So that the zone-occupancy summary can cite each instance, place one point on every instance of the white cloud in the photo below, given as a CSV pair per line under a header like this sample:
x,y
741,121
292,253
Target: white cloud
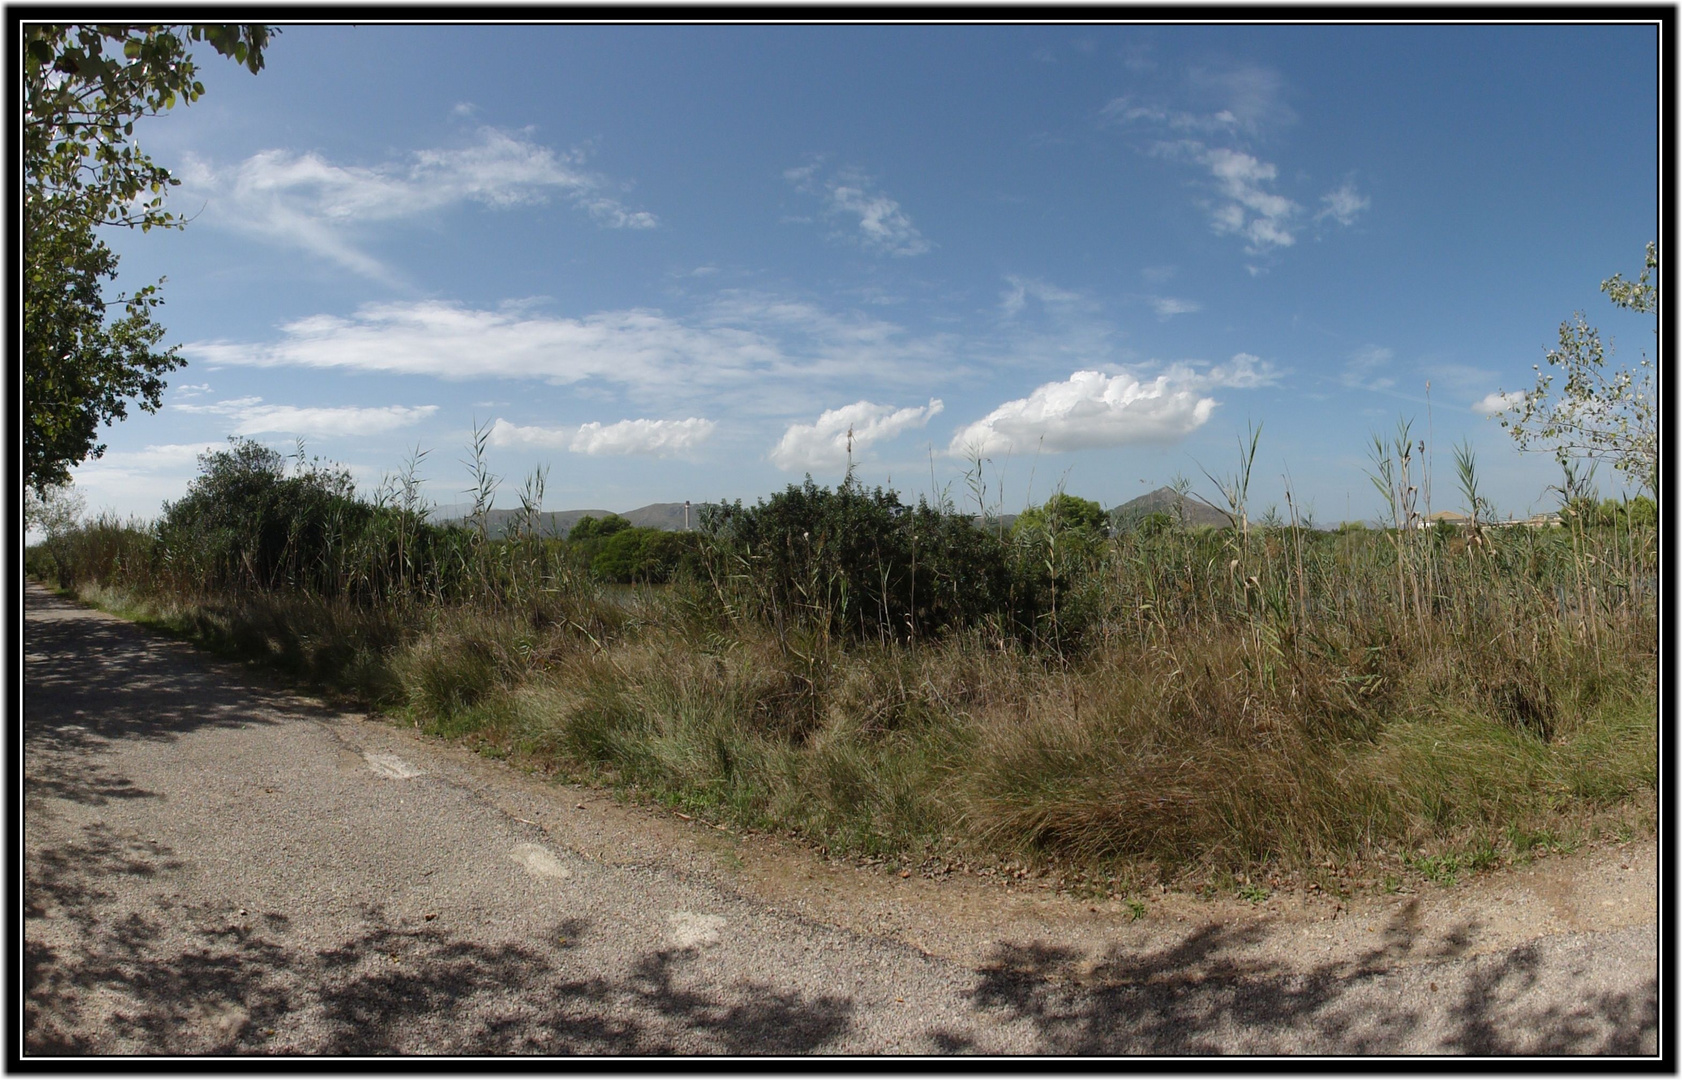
x,y
137,482
1343,204
1090,409
252,417
306,201
507,433
168,456
748,345
330,422
1360,372
1232,102
657,437
1498,402
1260,216
661,438
1167,306
882,226
1127,111
1243,372
1086,411
823,445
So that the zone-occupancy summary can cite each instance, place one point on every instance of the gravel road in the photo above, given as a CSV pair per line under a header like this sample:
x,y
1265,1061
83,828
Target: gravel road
x,y
213,866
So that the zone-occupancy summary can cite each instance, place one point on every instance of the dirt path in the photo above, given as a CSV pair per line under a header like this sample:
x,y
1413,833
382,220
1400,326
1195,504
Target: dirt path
x,y
213,866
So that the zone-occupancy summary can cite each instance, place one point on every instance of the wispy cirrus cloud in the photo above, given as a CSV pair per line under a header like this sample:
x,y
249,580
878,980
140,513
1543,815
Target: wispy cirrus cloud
x,y
825,444
759,351
1343,204
1092,409
1210,120
1052,297
1365,367
1167,306
250,416
882,227
304,200
655,438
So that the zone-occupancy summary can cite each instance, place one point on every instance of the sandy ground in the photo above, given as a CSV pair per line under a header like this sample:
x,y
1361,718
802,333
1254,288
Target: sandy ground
x,y
215,866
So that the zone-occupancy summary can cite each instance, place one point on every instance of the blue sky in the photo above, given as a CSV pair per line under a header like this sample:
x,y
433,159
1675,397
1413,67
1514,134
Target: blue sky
x,y
681,262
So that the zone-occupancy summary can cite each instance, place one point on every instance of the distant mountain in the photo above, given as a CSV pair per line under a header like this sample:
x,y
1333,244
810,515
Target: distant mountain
x,y
1165,500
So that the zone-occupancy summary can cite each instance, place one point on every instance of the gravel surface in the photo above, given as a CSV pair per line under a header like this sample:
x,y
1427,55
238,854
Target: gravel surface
x,y
214,866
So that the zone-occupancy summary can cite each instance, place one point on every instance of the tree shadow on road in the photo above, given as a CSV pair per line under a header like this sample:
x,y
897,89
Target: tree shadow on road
x,y
184,979
91,681
1204,995
174,978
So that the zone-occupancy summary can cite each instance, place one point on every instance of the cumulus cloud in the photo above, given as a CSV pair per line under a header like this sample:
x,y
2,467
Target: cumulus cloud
x,y
1498,402
1086,411
658,438
307,201
882,226
823,445
1091,410
251,417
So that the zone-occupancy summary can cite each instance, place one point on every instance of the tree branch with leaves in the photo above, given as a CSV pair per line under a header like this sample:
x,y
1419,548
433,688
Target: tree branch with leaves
x,y
1596,411
84,88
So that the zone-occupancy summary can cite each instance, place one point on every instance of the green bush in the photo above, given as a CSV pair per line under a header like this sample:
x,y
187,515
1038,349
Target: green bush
x,y
862,564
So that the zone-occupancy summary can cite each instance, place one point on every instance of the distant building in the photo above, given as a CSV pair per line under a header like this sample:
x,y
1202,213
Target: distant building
x,y
1448,517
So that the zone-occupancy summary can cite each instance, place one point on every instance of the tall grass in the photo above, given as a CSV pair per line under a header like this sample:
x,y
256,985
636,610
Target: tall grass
x,y
891,679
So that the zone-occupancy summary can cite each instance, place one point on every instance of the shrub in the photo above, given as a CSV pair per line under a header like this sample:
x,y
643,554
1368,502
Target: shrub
x,y
860,563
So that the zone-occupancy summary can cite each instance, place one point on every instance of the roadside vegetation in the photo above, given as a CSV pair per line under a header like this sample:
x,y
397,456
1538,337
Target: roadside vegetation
x,y
1125,702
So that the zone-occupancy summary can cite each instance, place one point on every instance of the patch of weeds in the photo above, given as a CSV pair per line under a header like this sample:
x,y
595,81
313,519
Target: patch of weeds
x,y
1526,844
1252,892
1392,884
1135,908
1482,857
1442,869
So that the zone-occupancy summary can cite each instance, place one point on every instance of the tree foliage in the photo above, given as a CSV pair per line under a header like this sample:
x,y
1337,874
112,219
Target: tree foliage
x,y
84,88
1063,512
1596,411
